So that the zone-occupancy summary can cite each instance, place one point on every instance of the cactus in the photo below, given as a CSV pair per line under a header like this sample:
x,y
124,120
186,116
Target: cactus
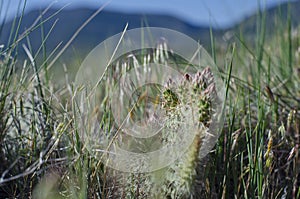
x,y
198,92
194,91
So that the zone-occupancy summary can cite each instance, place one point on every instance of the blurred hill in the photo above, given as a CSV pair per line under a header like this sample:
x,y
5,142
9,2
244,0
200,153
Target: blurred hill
x,y
276,17
104,25
108,23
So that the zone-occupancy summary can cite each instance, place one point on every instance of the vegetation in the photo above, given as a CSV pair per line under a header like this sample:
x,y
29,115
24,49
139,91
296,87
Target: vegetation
x,y
257,154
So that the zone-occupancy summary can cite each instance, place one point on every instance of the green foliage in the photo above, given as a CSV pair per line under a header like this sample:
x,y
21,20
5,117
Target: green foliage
x,y
256,156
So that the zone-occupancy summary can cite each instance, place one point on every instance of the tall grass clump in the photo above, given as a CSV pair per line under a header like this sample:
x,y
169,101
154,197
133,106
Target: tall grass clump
x,y
257,156
30,128
43,155
173,99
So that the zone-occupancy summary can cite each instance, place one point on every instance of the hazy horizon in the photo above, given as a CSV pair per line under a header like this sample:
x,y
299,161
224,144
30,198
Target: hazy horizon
x,y
198,13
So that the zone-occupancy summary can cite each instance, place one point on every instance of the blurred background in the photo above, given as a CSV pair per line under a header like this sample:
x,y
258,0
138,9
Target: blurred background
x,y
61,27
195,18
216,13
55,24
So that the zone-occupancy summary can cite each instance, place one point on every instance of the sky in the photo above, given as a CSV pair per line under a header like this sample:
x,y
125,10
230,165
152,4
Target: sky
x,y
217,13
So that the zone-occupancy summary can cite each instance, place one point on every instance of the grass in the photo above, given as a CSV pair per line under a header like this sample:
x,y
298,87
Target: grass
x,y
256,156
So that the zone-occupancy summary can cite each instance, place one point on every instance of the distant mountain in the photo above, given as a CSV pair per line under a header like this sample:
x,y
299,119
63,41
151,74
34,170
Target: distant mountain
x,y
274,16
104,25
108,23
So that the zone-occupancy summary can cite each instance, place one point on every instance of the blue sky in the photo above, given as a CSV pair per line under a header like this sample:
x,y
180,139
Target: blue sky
x,y
218,13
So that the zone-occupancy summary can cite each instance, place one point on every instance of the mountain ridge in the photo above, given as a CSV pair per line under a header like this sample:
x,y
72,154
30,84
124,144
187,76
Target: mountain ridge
x,y
108,23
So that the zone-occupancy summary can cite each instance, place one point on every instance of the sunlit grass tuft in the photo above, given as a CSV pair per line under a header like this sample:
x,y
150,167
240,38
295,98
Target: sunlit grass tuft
x,y
256,156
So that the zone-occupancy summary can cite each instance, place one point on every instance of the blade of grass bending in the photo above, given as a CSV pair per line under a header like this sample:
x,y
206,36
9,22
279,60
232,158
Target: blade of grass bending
x,y
110,60
35,24
39,84
76,33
